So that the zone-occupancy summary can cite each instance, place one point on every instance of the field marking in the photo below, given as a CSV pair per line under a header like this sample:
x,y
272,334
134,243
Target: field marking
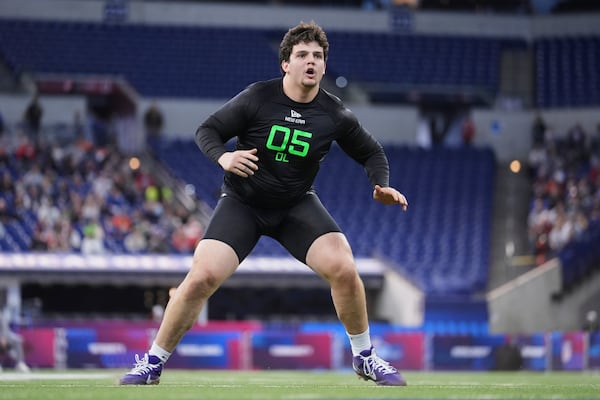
x,y
19,376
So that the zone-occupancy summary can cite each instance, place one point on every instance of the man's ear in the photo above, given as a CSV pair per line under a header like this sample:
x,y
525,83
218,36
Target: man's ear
x,y
285,66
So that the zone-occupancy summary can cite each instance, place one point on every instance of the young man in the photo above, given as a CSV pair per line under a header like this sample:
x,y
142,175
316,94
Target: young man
x,y
284,128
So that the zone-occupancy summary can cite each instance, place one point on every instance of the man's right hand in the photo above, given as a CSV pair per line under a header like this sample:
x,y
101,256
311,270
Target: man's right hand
x,y
239,162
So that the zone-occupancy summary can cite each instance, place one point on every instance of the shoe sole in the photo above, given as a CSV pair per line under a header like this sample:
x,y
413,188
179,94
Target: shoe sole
x,y
155,382
403,383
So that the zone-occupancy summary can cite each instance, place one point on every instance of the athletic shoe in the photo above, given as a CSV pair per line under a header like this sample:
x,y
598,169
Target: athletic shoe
x,y
146,371
370,367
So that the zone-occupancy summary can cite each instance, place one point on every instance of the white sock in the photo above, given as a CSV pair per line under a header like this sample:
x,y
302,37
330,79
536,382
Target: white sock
x,y
159,352
360,342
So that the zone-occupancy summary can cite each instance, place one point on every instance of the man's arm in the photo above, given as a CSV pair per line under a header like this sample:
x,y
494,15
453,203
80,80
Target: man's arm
x,y
227,122
366,150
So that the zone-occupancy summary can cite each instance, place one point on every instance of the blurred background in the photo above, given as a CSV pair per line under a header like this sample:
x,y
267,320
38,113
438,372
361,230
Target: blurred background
x,y
488,111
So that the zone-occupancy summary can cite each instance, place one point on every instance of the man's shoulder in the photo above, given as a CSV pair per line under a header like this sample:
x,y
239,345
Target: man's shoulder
x,y
335,106
331,100
264,87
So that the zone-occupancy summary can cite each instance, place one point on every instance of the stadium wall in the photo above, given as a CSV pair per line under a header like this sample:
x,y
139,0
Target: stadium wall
x,y
535,302
507,132
57,109
525,304
277,16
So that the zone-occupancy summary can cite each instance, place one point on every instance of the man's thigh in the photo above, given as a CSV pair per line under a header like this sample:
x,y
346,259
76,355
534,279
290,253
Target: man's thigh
x,y
305,222
234,224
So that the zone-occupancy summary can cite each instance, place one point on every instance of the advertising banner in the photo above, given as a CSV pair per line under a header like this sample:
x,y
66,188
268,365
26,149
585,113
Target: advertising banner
x,y
291,350
210,350
104,348
533,351
39,346
451,352
568,351
404,350
594,351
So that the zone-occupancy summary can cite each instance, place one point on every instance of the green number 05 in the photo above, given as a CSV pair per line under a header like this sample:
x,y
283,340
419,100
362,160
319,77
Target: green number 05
x,y
297,146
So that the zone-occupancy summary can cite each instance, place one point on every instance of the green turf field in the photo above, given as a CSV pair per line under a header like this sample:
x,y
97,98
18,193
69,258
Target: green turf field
x,y
266,385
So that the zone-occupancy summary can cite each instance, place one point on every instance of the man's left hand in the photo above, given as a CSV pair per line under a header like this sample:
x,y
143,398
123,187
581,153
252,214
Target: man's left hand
x,y
389,195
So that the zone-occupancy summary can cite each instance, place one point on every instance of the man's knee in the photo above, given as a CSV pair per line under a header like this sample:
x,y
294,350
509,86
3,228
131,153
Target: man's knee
x,y
202,284
341,270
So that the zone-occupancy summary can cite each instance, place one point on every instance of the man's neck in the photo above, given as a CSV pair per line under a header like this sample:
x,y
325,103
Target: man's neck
x,y
299,94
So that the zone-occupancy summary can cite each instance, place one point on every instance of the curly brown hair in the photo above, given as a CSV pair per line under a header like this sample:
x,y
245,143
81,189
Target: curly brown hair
x,y
304,32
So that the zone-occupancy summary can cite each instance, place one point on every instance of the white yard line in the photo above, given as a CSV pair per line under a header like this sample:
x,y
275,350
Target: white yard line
x,y
18,376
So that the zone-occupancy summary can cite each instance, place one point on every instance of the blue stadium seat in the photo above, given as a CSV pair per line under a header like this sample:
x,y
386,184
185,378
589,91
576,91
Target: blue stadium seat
x,y
566,71
184,61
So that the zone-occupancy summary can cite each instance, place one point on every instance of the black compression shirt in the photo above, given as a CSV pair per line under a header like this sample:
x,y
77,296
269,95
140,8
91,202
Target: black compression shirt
x,y
292,139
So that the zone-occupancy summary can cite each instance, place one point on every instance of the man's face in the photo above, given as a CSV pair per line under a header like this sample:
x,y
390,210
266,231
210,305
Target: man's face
x,y
306,66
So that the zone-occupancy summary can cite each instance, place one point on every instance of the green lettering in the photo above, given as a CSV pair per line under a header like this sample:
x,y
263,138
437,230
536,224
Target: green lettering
x,y
275,129
299,147
278,140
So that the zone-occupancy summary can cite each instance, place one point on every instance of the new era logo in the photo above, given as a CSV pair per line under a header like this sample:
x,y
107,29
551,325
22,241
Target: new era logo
x,y
295,118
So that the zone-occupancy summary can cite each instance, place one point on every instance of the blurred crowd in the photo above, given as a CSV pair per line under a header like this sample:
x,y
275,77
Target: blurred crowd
x,y
83,197
565,172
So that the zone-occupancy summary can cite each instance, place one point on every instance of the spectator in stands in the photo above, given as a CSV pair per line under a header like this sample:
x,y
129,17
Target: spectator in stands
x,y
135,241
579,222
566,181
119,224
153,125
158,241
186,236
538,220
562,231
79,130
538,130
25,150
7,184
468,131
67,237
93,238
538,158
91,207
33,118
48,212
424,133
267,191
38,241
7,215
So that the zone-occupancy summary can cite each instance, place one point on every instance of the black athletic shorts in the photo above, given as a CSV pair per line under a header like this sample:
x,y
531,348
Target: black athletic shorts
x,y
296,227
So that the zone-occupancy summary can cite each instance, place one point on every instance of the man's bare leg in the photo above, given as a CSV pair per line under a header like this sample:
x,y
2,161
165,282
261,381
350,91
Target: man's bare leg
x,y
330,256
213,263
